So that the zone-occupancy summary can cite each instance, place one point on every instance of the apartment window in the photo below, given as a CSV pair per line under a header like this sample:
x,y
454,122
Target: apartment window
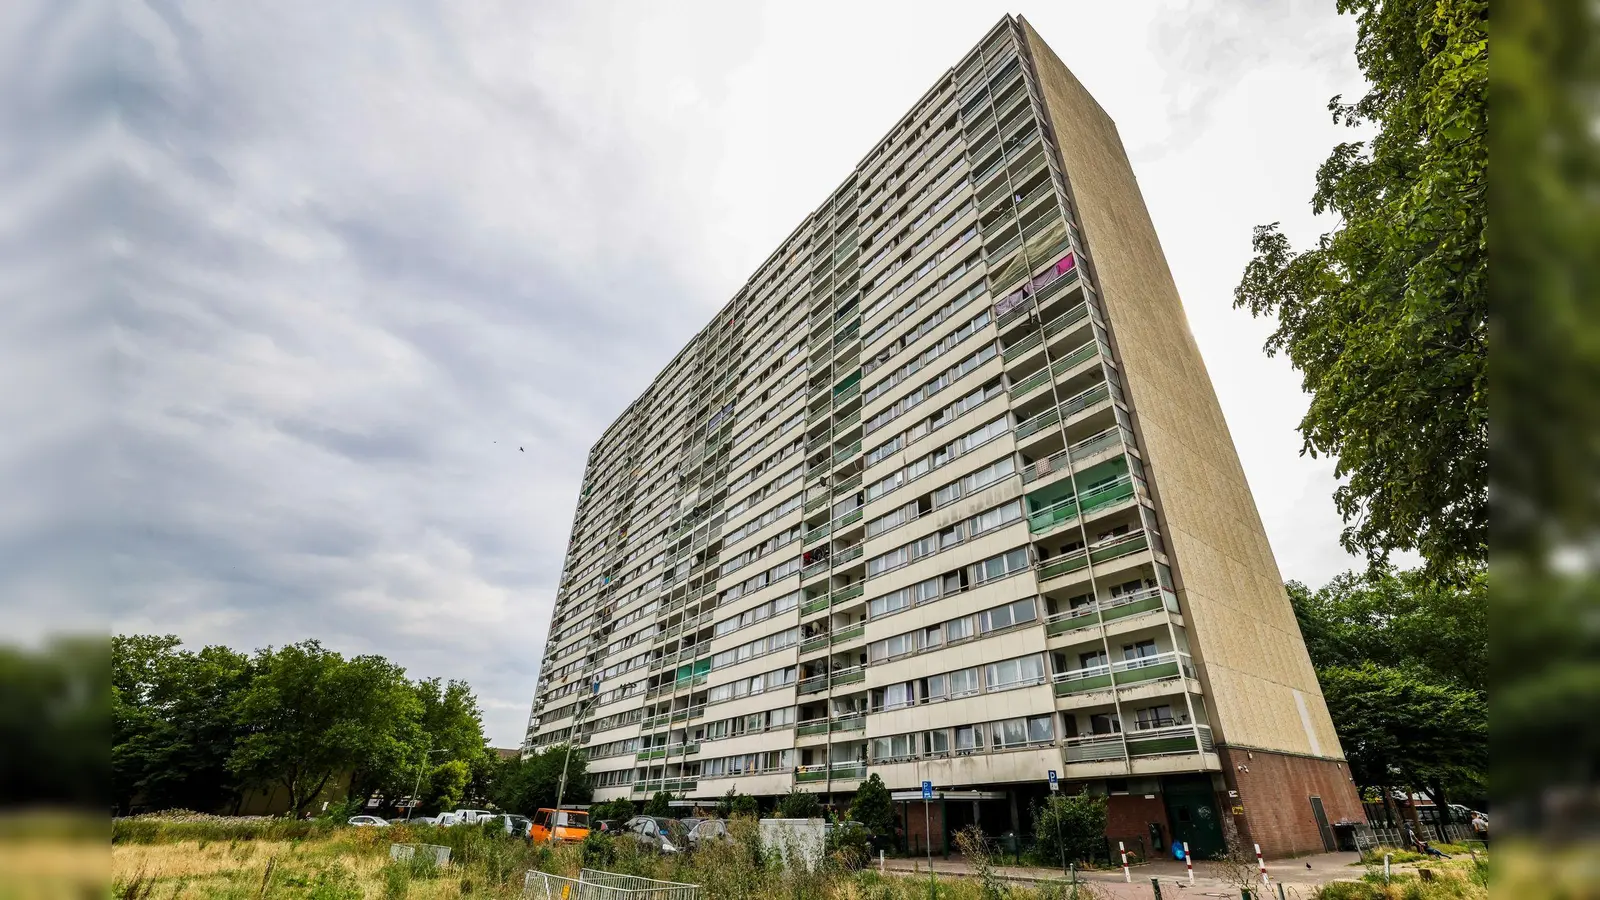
x,y
1014,672
969,739
1016,613
1000,566
900,746
1154,717
1138,652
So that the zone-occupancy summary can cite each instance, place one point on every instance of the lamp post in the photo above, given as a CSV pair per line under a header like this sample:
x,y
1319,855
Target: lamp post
x,y
561,786
421,765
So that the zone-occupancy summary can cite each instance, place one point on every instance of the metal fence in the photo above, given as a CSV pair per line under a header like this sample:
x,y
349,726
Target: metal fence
x,y
593,884
1370,837
441,855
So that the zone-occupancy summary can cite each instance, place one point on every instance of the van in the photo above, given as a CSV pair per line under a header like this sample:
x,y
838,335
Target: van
x,y
472,816
569,825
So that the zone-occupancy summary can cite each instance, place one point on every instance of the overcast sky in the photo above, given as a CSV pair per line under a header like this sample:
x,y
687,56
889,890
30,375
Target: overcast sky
x,y
378,274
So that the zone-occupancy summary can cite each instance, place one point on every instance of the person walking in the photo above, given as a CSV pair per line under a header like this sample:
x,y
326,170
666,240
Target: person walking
x,y
1480,827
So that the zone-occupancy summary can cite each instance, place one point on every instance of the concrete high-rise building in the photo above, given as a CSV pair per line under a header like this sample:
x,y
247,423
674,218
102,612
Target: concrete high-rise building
x,y
944,494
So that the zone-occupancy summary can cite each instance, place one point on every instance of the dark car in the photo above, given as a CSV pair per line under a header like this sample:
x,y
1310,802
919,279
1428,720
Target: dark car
x,y
657,833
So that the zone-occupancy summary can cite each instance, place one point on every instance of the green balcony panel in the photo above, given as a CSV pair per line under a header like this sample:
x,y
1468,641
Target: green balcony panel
x,y
811,729
848,593
813,685
1124,610
1148,673
1121,548
853,723
814,606
849,678
815,644
809,776
1183,743
1080,685
1059,567
1073,624
849,634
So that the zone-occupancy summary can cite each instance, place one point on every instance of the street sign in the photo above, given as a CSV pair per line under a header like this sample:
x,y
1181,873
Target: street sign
x,y
927,790
1054,784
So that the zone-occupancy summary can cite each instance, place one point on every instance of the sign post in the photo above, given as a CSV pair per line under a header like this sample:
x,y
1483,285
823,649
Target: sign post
x,y
927,834
1055,786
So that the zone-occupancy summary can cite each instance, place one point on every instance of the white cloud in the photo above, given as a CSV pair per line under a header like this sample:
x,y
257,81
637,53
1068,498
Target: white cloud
x,y
370,249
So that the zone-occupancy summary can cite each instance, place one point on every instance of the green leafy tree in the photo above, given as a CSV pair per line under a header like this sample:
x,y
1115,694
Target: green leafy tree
x,y
54,715
746,805
527,785
447,785
1398,619
725,803
660,804
1074,821
311,716
1386,317
173,726
619,810
873,807
1401,729
798,804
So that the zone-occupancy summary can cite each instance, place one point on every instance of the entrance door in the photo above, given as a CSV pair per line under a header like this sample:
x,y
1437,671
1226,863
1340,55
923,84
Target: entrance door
x,y
1321,815
1192,809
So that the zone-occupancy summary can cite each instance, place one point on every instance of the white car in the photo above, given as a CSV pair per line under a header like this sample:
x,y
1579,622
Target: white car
x,y
368,822
472,816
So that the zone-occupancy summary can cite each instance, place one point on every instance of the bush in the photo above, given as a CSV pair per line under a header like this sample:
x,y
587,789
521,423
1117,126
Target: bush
x,y
659,805
597,851
873,808
1080,822
175,827
798,804
746,805
621,810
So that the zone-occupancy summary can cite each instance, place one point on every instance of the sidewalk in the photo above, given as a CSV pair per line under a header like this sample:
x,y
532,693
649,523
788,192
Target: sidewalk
x,y
1301,872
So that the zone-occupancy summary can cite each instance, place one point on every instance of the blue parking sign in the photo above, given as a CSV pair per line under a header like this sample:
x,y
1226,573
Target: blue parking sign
x,y
927,790
1054,785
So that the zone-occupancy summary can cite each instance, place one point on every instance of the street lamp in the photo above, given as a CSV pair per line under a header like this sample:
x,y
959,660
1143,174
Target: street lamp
x,y
561,786
423,764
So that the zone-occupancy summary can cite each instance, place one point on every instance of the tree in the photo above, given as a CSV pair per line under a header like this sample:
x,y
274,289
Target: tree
x,y
53,715
798,804
746,805
447,785
1074,821
1386,318
527,785
660,804
619,810
311,716
873,808
173,723
1398,619
1399,728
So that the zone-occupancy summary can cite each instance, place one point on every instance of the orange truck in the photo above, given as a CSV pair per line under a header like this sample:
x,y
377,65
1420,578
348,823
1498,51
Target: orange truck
x,y
569,824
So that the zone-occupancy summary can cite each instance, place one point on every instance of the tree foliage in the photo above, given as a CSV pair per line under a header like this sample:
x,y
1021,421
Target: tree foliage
x,y
660,804
1403,663
1399,620
53,719
1074,821
527,785
1386,317
798,804
193,729
873,807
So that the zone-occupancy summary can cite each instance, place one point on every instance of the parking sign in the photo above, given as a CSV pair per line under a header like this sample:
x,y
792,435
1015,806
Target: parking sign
x,y
927,790
1054,784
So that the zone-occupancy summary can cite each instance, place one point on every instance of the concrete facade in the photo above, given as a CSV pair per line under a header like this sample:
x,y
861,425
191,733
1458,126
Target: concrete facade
x,y
943,494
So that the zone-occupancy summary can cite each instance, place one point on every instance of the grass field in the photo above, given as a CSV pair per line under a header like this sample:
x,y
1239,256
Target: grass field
x,y
269,859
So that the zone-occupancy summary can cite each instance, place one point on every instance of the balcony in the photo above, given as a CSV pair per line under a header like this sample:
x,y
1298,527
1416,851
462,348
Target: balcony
x,y
1069,407
815,605
849,634
812,645
846,555
1174,740
1094,748
845,594
830,772
812,728
1119,546
1067,363
671,785
1106,495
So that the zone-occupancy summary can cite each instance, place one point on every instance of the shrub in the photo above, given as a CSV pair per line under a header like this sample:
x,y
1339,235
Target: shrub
x,y
597,850
746,805
873,808
659,805
1080,822
798,804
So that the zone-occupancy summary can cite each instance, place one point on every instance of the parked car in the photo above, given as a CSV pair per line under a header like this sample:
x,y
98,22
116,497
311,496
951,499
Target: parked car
x,y
569,825
657,833
368,822
707,831
516,826
424,820
691,821
605,826
472,816
445,820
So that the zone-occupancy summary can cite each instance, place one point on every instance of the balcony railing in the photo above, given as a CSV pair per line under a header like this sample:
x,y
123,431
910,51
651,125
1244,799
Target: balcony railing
x,y
830,772
1119,546
1069,407
846,555
849,634
1112,493
1124,672
1094,748
1077,357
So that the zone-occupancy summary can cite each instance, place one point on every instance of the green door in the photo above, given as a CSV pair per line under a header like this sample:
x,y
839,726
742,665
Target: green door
x,y
1196,818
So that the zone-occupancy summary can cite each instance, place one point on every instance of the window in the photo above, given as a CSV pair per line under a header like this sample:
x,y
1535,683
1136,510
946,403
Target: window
x,y
1155,717
1014,672
968,739
1015,613
900,746
1000,566
936,742
1139,653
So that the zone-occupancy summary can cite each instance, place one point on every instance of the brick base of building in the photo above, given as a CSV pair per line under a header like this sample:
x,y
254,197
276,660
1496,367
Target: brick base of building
x,y
1273,803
